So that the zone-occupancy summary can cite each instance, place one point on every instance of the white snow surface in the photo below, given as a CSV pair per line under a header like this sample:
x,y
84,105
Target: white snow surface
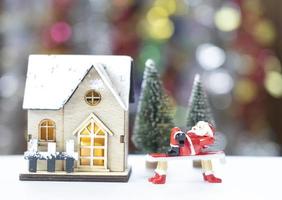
x,y
52,79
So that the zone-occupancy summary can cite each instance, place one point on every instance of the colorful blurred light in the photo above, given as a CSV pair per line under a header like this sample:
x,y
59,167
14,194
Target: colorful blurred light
x,y
193,3
221,102
158,24
219,82
273,84
272,63
253,8
245,91
156,13
121,3
60,32
8,85
169,5
210,56
161,29
227,19
150,51
264,32
247,66
204,14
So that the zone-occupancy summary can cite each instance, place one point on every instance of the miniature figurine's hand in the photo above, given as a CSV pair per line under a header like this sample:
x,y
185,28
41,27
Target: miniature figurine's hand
x,y
192,134
195,140
206,141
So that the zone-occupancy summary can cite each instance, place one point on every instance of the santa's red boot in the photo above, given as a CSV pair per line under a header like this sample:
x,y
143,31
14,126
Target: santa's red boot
x,y
160,180
211,178
154,177
160,176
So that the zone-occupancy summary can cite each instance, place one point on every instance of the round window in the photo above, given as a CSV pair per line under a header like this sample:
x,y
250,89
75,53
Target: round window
x,y
92,97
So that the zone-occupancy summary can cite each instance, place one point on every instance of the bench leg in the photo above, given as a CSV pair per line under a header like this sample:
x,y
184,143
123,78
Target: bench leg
x,y
206,165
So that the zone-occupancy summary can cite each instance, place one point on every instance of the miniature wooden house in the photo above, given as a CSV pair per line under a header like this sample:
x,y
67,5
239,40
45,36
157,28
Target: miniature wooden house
x,y
84,99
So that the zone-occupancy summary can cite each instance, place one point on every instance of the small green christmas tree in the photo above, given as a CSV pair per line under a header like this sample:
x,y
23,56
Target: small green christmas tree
x,y
154,115
199,107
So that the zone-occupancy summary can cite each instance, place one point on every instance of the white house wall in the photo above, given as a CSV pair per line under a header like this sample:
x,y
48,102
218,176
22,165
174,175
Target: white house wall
x,y
126,136
76,110
34,118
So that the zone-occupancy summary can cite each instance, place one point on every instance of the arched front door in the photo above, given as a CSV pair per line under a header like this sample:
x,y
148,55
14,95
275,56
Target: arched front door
x,y
92,145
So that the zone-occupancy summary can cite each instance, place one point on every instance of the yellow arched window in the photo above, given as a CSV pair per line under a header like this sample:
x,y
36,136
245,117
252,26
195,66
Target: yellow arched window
x,y
47,130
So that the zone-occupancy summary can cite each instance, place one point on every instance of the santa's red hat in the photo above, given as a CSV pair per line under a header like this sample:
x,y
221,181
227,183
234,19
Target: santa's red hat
x,y
174,131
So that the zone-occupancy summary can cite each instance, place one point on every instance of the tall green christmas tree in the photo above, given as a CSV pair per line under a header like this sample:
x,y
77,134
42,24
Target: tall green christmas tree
x,y
199,110
154,117
199,107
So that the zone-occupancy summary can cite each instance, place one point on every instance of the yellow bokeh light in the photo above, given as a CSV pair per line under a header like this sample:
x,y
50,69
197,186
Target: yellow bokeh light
x,y
273,83
227,19
158,25
169,5
264,32
156,13
245,91
253,7
161,29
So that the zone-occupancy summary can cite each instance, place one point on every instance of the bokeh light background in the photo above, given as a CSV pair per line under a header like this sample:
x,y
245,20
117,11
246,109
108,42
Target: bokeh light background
x,y
233,44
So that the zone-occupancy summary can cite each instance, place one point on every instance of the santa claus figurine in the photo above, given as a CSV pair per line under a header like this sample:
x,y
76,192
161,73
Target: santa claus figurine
x,y
192,143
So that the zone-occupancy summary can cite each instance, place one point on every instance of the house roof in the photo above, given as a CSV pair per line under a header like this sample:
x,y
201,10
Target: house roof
x,y
52,79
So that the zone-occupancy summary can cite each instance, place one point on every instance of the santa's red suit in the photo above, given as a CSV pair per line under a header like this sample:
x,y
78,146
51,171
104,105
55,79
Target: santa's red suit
x,y
198,138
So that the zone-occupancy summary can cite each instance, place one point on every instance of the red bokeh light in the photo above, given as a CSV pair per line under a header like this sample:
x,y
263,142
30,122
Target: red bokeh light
x,y
60,32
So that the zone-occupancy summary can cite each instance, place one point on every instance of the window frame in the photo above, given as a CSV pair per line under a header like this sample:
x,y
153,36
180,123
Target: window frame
x,y
92,134
40,126
95,100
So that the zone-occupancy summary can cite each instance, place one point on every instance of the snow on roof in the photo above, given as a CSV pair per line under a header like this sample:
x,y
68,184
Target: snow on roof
x,y
52,79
